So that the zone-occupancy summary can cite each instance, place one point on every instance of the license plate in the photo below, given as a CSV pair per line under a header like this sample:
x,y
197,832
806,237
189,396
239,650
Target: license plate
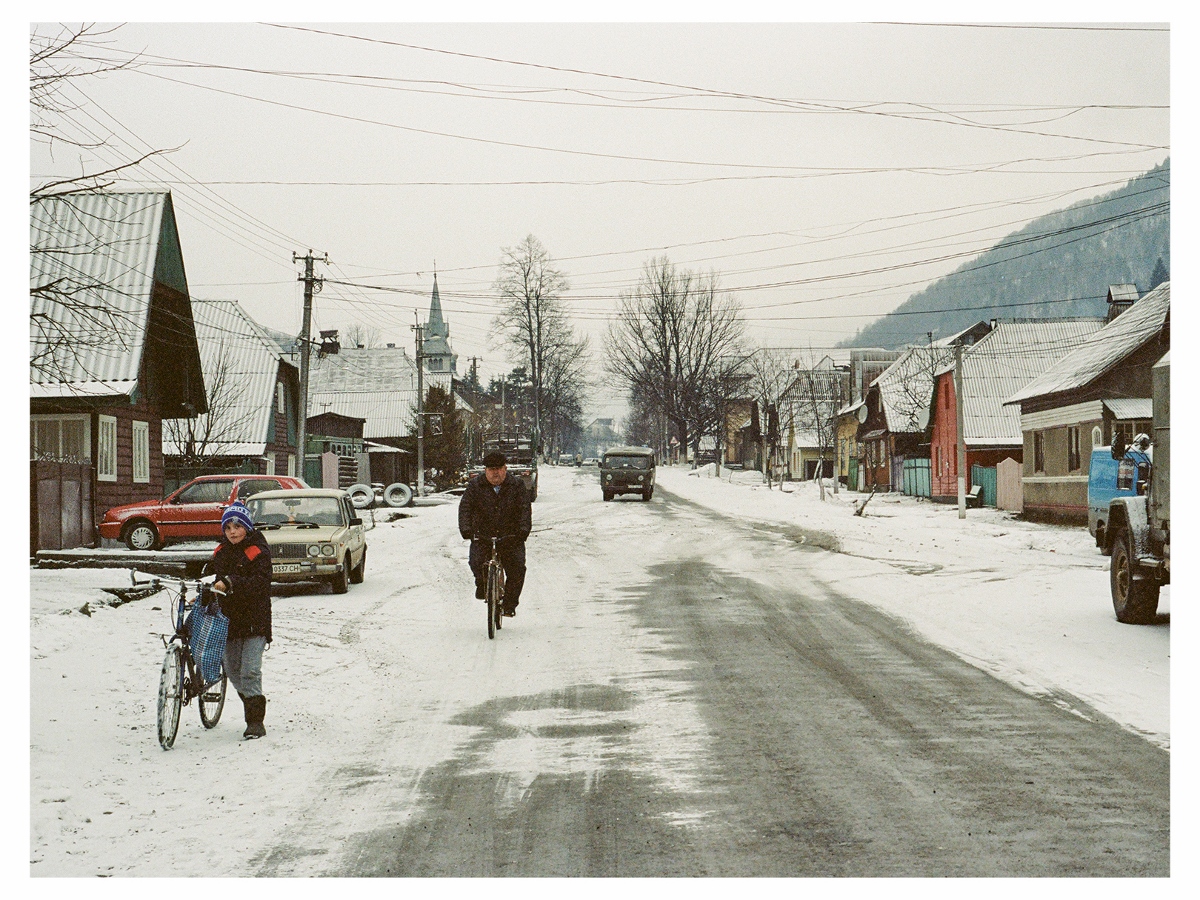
x,y
287,568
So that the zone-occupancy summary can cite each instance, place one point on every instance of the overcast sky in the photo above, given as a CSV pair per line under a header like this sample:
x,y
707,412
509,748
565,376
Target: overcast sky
x,y
826,172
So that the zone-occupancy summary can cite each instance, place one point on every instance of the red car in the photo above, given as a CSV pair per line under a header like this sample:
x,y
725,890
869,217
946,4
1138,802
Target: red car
x,y
192,513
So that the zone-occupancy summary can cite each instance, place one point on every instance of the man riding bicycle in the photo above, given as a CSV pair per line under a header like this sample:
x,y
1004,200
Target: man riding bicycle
x,y
496,504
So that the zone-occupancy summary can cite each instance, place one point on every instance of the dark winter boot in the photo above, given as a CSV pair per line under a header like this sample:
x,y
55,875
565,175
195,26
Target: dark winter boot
x,y
256,711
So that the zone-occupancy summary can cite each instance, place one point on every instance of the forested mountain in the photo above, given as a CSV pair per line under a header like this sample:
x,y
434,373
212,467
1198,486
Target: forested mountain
x,y
1058,265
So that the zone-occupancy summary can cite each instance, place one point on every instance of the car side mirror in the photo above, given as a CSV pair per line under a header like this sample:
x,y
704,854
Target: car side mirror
x,y
355,520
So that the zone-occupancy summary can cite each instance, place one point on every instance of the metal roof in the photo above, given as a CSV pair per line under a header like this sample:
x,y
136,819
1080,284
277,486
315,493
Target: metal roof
x,y
907,384
1007,359
241,366
1131,407
1105,349
102,249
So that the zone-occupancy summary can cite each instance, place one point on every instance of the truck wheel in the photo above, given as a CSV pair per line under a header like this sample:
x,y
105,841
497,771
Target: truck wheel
x,y
1134,596
361,495
398,495
608,495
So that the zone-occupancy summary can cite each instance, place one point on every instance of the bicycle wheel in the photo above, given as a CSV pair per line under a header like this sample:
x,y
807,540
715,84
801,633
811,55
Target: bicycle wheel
x,y
212,701
493,601
499,597
170,696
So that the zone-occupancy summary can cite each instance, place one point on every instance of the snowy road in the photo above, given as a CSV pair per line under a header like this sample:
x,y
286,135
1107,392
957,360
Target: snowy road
x,y
682,693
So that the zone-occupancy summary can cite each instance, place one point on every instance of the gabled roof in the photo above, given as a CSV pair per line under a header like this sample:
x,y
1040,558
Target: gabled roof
x,y
1004,361
378,384
907,384
1105,349
94,260
241,365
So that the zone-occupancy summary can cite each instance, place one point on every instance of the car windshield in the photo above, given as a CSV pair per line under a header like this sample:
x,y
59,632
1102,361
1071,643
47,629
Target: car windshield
x,y
627,462
296,510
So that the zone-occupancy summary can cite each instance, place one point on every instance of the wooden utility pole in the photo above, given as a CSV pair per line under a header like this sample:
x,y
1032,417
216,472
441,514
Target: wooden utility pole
x,y
962,444
420,331
312,285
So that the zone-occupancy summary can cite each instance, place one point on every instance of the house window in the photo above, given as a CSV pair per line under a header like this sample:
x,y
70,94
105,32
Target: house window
x,y
292,464
106,448
61,438
1039,451
1073,464
270,458
280,397
141,452
1130,428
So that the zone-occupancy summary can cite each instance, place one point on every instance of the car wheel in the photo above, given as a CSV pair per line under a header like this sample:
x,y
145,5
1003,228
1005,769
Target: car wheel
x,y
1134,596
359,572
141,535
341,581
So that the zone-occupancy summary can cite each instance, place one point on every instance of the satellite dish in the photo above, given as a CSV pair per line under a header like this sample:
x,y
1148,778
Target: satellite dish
x,y
923,418
862,413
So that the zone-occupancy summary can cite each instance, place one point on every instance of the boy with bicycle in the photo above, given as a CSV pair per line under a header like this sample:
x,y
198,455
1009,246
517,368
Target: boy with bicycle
x,y
497,504
242,564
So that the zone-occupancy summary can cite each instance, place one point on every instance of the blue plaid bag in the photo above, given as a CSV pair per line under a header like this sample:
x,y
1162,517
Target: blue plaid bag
x,y
208,630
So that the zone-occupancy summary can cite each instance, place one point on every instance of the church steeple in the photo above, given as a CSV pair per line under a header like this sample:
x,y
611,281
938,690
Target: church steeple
x,y
436,347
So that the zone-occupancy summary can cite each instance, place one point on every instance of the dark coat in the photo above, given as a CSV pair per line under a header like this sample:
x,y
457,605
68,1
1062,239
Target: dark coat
x,y
486,513
246,569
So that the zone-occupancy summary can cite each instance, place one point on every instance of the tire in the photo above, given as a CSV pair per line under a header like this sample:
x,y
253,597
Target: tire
x,y
1134,596
140,534
647,494
398,495
358,573
533,493
170,696
341,581
361,495
212,701
608,495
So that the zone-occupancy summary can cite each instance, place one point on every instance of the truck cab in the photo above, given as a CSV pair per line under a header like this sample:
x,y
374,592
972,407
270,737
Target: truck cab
x,y
1125,473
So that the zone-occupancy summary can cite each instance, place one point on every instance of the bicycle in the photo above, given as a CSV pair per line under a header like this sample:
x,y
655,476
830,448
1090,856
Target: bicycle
x,y
180,682
495,590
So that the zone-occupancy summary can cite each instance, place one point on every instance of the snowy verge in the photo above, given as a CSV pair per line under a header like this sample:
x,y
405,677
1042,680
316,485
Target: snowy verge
x,y
1025,601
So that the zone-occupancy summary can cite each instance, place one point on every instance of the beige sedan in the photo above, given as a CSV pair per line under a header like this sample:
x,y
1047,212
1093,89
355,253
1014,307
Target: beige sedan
x,y
315,534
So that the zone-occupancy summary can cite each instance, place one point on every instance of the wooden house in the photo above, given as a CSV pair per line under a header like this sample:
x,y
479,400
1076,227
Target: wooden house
x,y
253,388
1101,388
113,352
995,367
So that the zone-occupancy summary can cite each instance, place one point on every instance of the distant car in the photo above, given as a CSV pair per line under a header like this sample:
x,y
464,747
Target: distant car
x,y
566,459
315,534
627,470
591,461
192,513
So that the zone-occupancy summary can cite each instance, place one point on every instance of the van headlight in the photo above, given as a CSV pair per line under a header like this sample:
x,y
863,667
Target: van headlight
x,y
641,478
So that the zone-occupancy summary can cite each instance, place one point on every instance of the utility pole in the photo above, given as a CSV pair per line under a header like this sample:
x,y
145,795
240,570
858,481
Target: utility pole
x,y
962,444
312,285
420,408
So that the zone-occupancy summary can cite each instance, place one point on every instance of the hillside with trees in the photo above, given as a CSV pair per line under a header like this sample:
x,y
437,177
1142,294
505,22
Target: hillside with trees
x,y
1058,265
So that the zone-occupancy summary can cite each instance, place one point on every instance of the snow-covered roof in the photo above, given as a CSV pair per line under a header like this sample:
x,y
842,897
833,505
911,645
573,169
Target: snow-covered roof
x,y
1007,359
241,366
1105,349
907,384
386,414
102,252
1131,407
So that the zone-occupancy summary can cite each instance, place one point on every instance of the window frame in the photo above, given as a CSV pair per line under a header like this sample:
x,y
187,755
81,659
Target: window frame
x,y
106,450
1039,452
1074,457
140,444
38,452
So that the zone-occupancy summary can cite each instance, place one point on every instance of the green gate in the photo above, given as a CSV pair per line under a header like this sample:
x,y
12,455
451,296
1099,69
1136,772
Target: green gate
x,y
985,477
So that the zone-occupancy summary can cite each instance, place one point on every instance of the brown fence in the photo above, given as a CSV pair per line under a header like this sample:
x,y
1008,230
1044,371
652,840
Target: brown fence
x,y
61,500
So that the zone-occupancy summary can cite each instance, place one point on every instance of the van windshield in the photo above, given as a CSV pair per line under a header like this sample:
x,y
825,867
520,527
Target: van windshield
x,y
628,462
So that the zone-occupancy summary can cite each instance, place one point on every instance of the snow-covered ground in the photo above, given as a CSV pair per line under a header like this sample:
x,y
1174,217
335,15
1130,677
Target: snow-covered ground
x,y
1028,602
396,658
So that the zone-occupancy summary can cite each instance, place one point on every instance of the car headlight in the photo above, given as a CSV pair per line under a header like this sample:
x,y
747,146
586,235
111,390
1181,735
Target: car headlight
x,y
314,549
328,550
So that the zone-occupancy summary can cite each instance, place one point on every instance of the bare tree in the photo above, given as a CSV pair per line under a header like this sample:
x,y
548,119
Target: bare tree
x,y
565,386
205,436
770,376
532,319
356,334
818,389
676,345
